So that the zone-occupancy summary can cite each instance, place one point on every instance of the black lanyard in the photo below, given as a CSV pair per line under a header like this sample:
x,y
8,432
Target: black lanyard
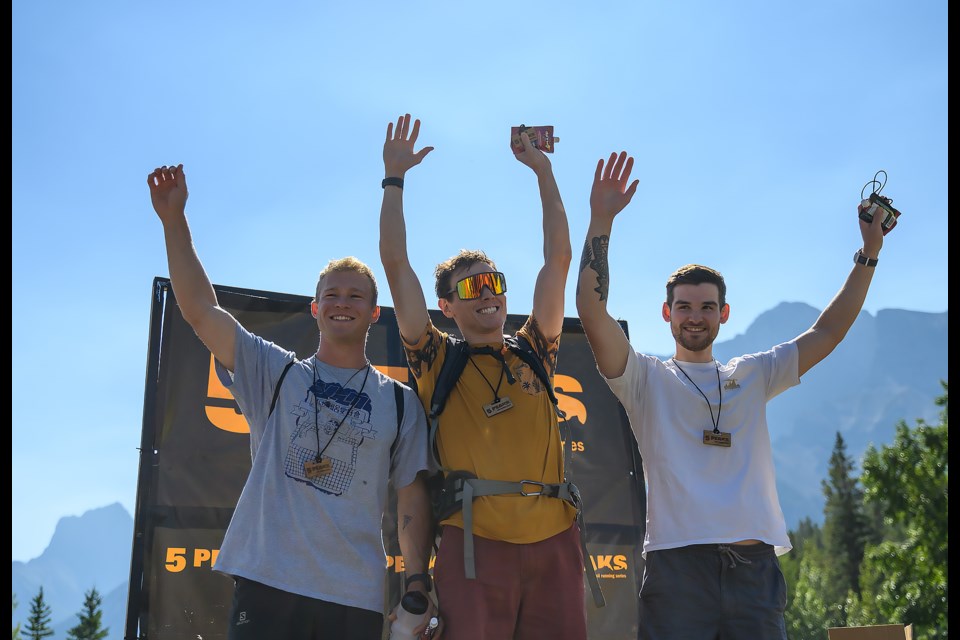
x,y
316,407
716,423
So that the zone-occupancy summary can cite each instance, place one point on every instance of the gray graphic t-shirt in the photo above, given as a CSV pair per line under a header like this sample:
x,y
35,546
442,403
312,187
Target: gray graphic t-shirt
x,y
317,535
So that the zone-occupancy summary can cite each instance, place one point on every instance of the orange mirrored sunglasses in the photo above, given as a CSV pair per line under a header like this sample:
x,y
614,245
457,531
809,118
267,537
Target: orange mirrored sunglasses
x,y
471,287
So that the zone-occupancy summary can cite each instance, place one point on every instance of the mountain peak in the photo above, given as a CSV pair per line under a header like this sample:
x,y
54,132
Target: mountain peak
x,y
89,550
69,529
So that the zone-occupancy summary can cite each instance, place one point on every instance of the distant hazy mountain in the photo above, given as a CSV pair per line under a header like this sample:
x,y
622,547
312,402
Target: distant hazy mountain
x,y
887,370
92,550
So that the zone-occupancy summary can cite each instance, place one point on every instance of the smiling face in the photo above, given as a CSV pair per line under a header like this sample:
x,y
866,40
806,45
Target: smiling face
x,y
695,317
345,306
480,320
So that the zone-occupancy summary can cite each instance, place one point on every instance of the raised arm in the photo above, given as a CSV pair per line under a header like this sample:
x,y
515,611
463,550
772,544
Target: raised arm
x,y
398,156
610,194
194,293
831,327
557,254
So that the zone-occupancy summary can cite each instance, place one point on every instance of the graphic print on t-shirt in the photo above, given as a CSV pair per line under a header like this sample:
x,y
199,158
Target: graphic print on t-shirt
x,y
332,402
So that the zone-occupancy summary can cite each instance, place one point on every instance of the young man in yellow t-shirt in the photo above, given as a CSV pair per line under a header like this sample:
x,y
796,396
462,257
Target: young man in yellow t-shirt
x,y
499,423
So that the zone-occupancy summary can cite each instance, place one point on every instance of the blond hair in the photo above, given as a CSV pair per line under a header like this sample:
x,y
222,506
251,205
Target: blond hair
x,y
348,264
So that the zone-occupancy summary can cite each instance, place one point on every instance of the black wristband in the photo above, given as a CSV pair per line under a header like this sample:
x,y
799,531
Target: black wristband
x,y
392,182
859,258
421,577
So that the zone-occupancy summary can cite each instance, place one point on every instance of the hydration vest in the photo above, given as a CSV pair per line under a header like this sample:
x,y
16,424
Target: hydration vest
x,y
454,490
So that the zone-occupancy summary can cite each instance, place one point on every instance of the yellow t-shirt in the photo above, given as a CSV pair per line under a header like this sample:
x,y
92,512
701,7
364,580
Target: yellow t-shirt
x,y
521,443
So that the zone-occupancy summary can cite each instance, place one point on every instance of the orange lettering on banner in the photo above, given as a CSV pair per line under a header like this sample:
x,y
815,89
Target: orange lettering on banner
x,y
397,563
571,406
176,558
225,418
613,563
200,556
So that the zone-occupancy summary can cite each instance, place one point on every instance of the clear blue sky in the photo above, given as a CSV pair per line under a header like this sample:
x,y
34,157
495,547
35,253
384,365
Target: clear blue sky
x,y
754,126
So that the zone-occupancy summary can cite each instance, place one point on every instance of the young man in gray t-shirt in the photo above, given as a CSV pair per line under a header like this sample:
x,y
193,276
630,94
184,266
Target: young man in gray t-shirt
x,y
304,545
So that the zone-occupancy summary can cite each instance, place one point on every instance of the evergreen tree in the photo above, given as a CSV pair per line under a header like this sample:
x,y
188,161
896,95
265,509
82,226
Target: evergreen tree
x,y
808,615
38,624
808,532
16,629
903,573
89,627
805,615
904,579
845,526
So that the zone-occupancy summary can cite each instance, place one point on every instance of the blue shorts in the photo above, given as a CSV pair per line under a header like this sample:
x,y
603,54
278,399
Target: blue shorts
x,y
713,592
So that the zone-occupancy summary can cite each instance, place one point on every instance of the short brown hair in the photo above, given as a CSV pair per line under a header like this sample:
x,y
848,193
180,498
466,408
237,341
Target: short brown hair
x,y
465,259
348,264
696,274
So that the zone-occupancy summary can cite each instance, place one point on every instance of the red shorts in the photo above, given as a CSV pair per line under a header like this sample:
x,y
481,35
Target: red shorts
x,y
521,592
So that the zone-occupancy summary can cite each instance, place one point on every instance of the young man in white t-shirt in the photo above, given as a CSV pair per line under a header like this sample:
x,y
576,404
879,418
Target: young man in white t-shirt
x,y
714,522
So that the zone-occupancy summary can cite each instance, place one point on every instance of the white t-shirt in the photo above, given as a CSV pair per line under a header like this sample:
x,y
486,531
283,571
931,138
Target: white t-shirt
x,y
699,493
318,538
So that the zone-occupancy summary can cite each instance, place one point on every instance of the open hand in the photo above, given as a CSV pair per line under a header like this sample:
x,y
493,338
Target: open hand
x,y
610,193
398,153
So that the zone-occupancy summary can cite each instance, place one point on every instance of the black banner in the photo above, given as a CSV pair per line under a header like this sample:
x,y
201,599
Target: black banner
x,y
195,457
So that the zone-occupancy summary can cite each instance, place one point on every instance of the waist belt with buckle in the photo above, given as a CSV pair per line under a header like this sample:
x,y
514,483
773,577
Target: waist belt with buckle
x,y
465,489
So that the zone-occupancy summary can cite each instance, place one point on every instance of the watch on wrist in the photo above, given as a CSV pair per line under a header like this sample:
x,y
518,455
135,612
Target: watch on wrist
x,y
859,258
421,577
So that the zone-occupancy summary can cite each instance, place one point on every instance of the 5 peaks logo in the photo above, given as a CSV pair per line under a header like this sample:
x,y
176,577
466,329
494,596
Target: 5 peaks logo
x,y
564,385
221,408
222,411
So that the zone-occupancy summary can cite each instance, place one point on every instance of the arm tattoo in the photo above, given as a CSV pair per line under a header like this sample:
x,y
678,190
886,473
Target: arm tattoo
x,y
406,521
584,261
598,262
422,360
